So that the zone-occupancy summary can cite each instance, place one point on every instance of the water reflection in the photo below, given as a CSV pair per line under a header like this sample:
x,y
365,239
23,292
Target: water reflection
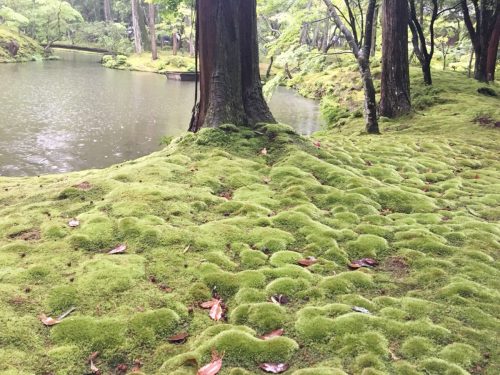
x,y
72,114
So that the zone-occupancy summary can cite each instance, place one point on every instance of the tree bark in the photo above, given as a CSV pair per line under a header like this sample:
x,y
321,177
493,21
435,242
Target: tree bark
x,y
395,83
493,51
107,11
230,86
175,43
135,27
362,54
146,43
482,34
152,31
374,33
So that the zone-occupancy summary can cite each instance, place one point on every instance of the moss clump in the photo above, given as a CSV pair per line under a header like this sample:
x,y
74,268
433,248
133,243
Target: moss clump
x,y
149,327
367,245
263,317
417,347
104,335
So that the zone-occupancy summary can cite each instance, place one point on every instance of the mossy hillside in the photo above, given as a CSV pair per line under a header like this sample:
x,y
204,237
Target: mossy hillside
x,y
28,48
210,211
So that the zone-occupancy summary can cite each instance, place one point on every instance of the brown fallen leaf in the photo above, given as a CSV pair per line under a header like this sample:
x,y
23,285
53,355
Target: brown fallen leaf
x,y
73,223
137,366
217,311
213,367
274,368
179,338
364,262
95,370
48,321
309,261
85,185
120,249
272,334
165,288
266,180
317,144
263,151
121,368
208,304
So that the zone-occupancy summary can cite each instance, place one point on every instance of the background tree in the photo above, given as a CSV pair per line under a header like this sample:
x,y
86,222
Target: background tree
x,y
483,34
107,11
136,27
361,48
395,82
230,86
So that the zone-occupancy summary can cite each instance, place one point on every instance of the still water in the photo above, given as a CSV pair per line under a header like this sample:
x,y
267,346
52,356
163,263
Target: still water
x,y
73,114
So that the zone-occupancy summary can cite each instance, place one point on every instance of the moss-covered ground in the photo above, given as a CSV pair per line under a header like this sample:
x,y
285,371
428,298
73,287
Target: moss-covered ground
x,y
28,48
211,211
143,62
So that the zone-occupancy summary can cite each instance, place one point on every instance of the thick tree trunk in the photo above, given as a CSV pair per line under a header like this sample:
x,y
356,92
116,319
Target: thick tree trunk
x,y
230,86
107,11
395,83
152,31
135,27
175,43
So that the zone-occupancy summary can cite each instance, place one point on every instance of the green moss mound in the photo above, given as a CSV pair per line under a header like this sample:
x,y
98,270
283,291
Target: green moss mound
x,y
210,215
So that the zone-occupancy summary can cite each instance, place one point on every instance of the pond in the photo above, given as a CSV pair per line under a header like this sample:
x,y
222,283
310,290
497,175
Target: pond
x,y
73,114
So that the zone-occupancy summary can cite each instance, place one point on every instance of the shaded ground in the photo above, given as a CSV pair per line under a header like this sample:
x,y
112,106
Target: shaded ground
x,y
211,210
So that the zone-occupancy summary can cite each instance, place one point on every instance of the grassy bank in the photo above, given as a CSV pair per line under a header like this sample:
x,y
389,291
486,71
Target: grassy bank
x,y
29,49
213,211
143,62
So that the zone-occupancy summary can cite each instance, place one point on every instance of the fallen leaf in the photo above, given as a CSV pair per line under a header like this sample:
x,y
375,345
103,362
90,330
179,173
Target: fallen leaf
x,y
73,223
137,366
208,304
361,310
263,151
226,195
309,261
85,185
364,262
48,321
266,180
180,338
274,368
280,299
217,311
95,370
121,368
272,334
213,367
394,357
317,144
120,249
165,288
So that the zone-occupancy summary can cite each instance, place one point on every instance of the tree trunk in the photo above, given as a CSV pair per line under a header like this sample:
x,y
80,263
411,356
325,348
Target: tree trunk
x,y
135,27
374,33
493,51
146,43
270,67
362,54
230,86
152,31
107,11
395,82
426,70
175,43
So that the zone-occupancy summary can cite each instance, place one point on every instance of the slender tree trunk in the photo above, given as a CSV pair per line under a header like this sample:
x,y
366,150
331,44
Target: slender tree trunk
x,y
107,11
230,86
135,27
374,33
395,84
493,51
152,31
146,43
270,67
175,43
362,54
